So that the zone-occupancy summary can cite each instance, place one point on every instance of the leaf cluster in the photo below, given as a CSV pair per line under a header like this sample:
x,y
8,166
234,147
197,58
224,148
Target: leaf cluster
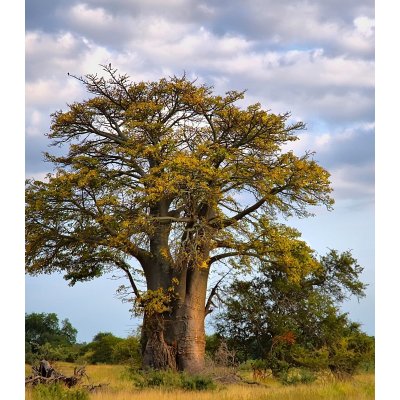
x,y
165,171
41,328
297,322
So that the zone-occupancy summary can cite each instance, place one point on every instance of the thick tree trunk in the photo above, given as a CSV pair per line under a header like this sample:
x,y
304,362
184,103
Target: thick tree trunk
x,y
189,323
176,340
157,353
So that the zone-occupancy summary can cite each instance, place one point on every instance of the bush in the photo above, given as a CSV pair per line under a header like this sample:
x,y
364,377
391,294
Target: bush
x,y
367,366
69,353
58,392
127,351
246,365
171,380
212,344
101,350
348,354
153,378
296,375
197,382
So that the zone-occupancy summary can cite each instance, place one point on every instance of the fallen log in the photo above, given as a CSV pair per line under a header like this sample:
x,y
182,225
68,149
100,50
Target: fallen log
x,y
46,374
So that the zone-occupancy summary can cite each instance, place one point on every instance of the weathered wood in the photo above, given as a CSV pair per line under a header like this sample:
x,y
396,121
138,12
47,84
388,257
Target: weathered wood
x,y
46,374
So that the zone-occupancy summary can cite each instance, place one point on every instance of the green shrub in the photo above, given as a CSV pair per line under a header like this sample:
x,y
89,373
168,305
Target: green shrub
x,y
349,353
367,366
259,364
153,378
212,344
51,352
171,380
296,375
109,349
246,365
197,382
58,392
127,351
101,349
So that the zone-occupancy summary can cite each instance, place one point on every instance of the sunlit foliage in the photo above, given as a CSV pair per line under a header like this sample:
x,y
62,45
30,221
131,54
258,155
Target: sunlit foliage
x,y
179,179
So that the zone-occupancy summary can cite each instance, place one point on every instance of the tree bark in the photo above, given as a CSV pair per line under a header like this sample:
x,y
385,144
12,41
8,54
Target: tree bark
x,y
176,340
189,323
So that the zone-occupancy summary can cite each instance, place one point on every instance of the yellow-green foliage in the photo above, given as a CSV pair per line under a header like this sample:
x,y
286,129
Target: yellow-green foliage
x,y
155,161
361,387
154,301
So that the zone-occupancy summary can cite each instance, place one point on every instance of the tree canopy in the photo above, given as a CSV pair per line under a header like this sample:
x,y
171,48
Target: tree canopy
x,y
41,328
179,179
158,154
297,323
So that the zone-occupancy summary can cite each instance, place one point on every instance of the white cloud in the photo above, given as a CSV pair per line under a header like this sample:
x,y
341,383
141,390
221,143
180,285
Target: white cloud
x,y
35,120
84,15
144,41
51,91
38,42
93,58
365,26
50,56
322,141
180,46
351,182
301,23
313,68
47,81
39,176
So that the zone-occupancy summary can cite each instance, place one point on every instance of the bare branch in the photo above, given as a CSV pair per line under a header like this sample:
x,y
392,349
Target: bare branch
x,y
125,267
173,219
223,255
230,221
213,293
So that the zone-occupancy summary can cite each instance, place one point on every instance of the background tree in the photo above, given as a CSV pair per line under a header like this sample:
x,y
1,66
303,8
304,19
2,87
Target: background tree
x,y
106,348
179,179
41,328
45,337
101,349
297,323
128,352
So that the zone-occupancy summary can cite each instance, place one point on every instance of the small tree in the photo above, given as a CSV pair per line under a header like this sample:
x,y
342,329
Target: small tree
x,y
128,351
224,356
212,343
101,350
44,337
296,322
178,179
44,328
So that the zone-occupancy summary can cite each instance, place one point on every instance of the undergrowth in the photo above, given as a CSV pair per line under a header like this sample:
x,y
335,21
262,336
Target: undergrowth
x,y
171,380
297,376
58,392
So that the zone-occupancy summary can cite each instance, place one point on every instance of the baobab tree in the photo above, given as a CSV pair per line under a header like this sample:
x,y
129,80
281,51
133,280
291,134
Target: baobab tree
x,y
179,179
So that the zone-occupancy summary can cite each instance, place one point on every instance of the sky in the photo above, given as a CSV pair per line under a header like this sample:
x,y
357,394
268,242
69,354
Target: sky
x,y
313,58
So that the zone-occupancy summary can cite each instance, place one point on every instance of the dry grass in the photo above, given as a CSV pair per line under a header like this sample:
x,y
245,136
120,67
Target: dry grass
x,y
362,387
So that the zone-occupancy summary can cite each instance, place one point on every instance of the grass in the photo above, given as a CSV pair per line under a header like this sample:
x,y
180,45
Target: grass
x,y
120,387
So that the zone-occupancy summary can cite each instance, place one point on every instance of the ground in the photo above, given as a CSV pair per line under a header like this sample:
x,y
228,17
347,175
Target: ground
x,y
120,387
